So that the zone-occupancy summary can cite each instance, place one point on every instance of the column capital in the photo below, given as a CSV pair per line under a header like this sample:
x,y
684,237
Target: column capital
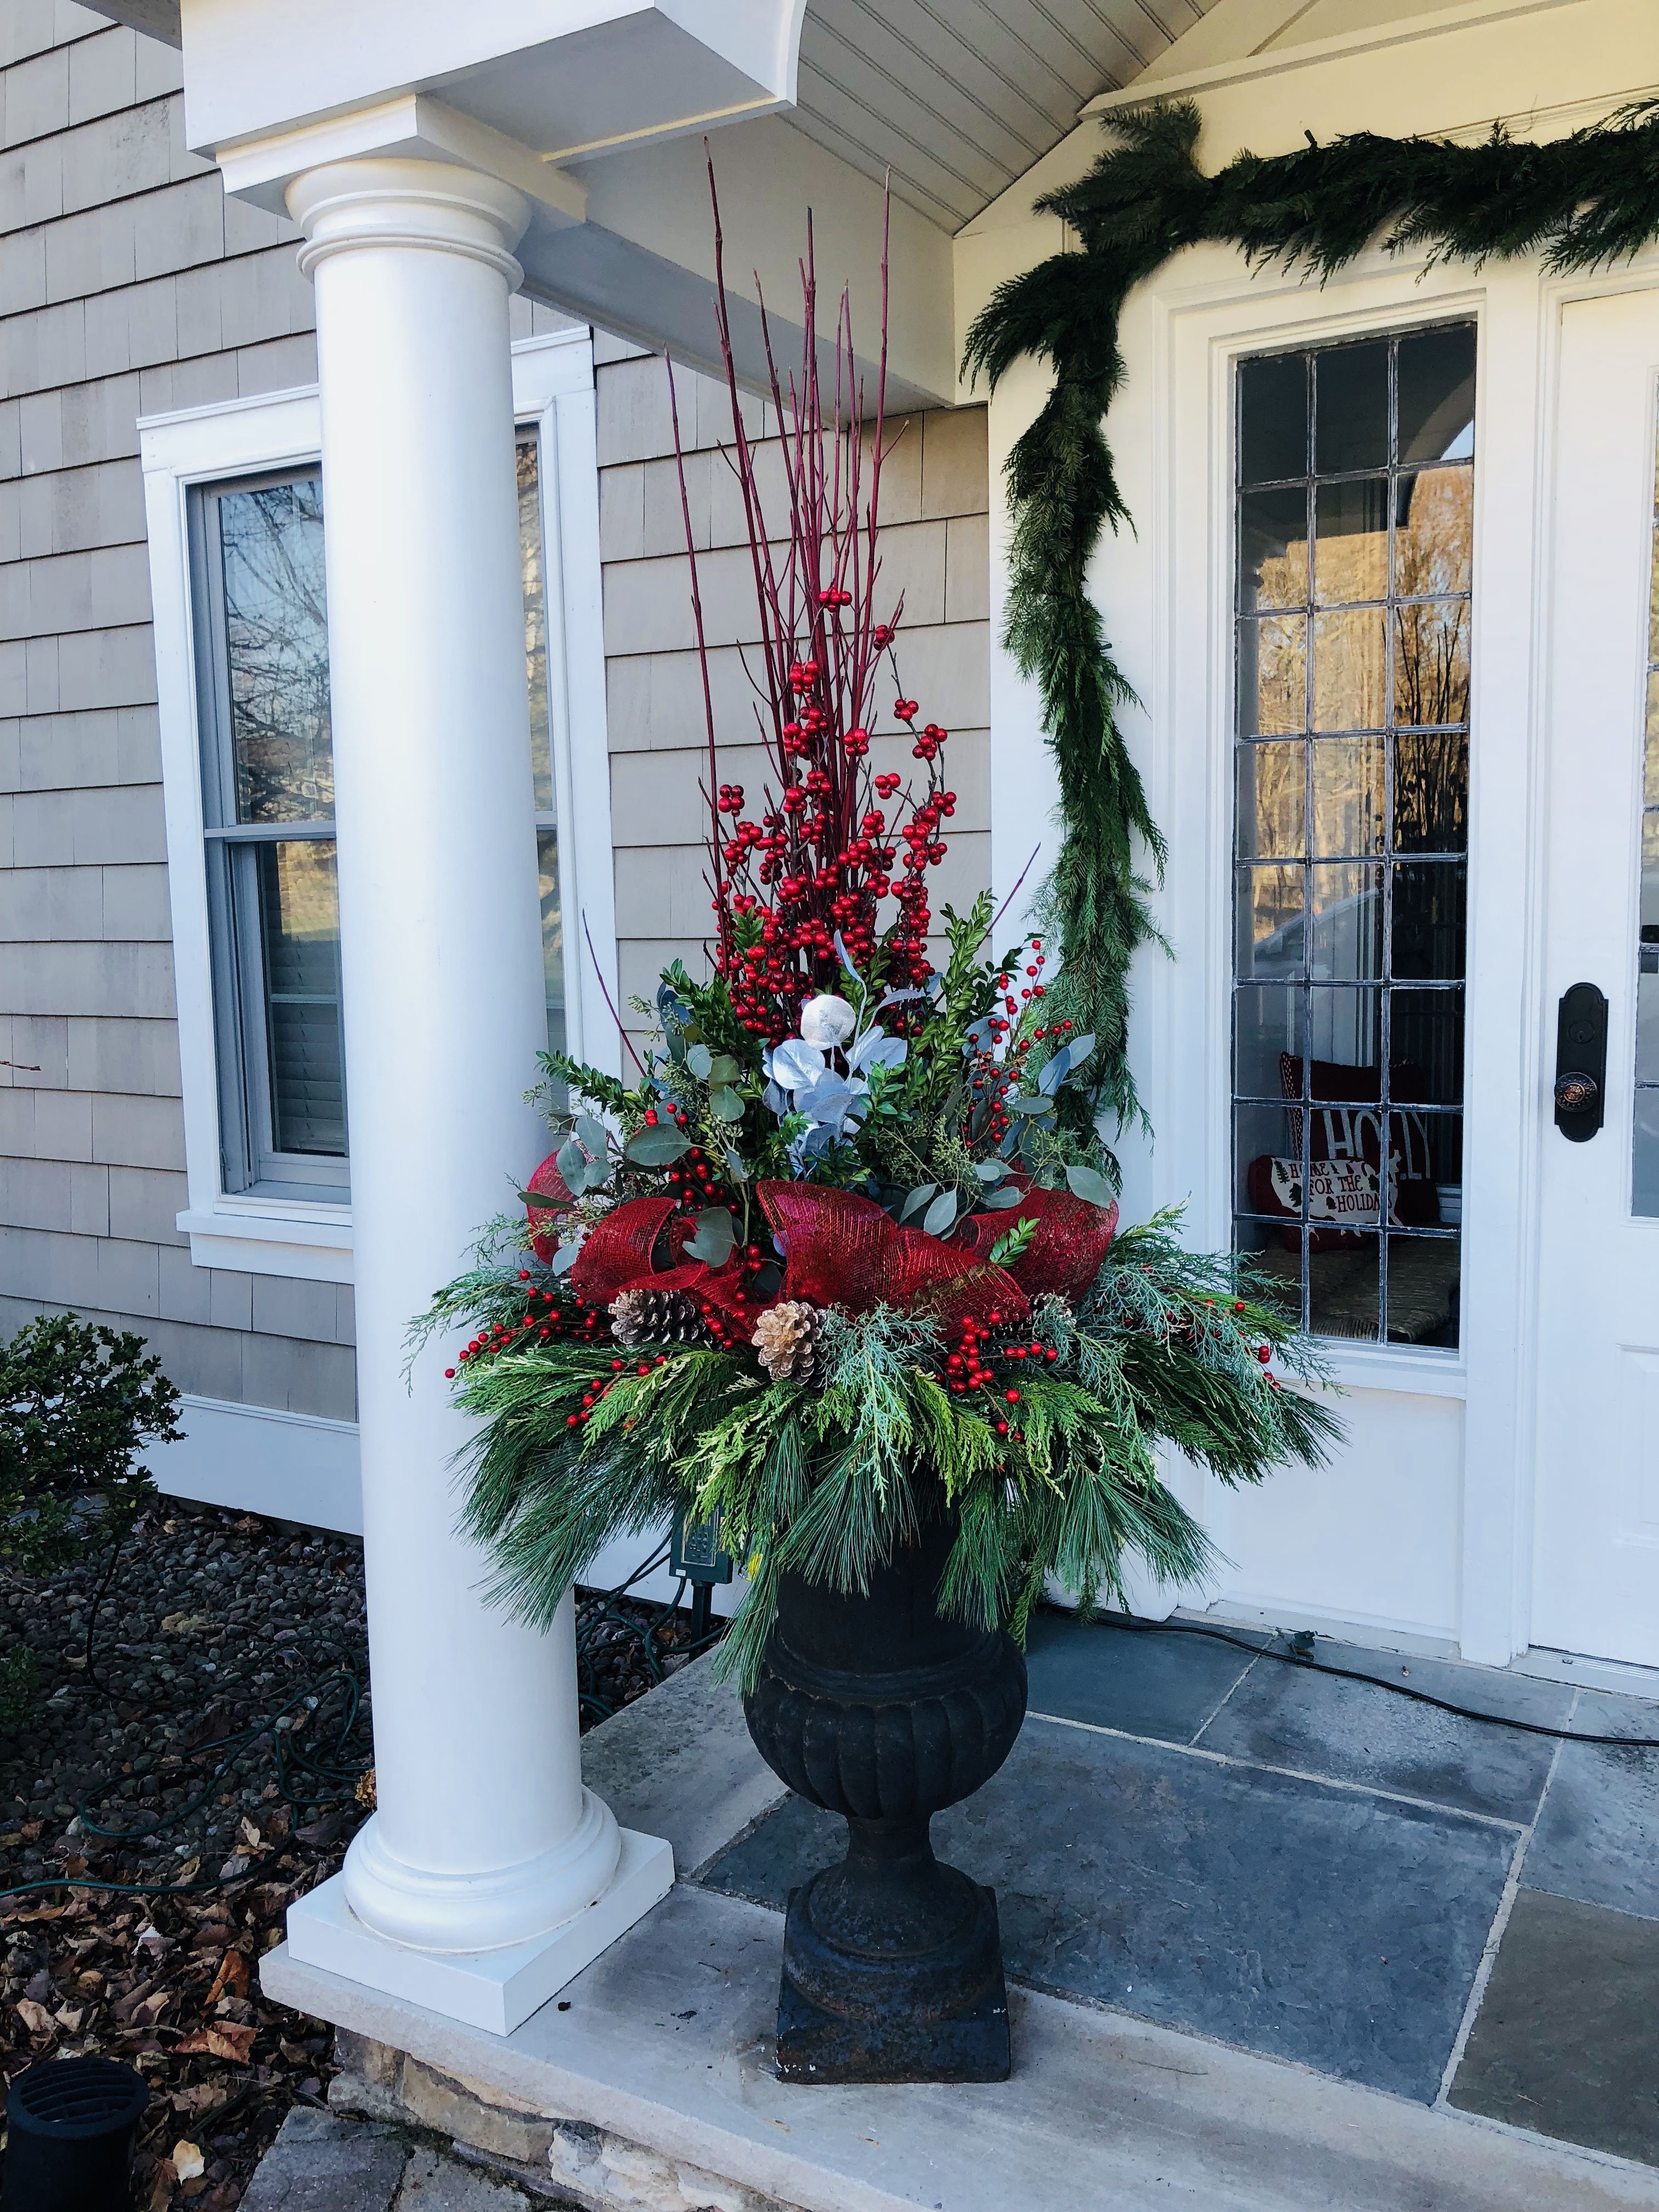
x,y
439,206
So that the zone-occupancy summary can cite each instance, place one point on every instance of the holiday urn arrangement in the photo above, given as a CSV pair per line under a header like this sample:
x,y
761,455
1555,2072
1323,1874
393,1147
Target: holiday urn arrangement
x,y
838,1266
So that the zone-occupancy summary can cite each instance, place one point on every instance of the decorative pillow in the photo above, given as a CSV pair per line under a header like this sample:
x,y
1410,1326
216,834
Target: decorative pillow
x,y
1352,1129
1342,1199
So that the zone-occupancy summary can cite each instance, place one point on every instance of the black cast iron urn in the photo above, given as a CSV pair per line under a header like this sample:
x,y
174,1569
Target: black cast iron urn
x,y
874,1707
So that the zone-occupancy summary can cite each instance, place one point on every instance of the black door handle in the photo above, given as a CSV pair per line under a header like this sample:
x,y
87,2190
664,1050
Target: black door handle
x,y
1581,1063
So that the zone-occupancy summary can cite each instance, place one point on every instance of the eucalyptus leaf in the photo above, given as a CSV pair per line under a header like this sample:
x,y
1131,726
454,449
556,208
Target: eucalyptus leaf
x,y
1000,1200
699,1061
941,1215
1038,1105
1088,1183
571,1162
1079,1048
725,1105
656,1148
590,1134
716,1236
990,1170
1055,1072
540,1200
736,1165
723,1069
918,1197
566,1257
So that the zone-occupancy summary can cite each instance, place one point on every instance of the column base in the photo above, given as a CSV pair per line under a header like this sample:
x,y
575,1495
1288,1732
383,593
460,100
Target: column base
x,y
492,1990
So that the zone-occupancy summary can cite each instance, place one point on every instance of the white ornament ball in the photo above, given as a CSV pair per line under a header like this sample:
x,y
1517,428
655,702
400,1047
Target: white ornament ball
x,y
827,1020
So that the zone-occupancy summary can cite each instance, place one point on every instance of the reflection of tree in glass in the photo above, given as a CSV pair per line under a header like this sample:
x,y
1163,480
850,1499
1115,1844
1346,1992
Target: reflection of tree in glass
x,y
276,634
1281,676
1431,642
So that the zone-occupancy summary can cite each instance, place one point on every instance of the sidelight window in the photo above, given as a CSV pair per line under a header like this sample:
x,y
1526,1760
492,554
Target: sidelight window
x,y
1354,509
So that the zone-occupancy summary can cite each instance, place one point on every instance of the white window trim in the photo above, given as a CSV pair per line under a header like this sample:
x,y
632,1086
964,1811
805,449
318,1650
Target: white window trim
x,y
553,391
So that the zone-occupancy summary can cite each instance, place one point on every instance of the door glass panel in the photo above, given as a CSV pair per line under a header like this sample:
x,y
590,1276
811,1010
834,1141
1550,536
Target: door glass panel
x,y
1352,521
1352,806
1644,1186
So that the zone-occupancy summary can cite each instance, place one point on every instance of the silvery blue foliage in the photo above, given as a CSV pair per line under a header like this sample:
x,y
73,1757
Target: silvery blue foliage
x,y
802,1077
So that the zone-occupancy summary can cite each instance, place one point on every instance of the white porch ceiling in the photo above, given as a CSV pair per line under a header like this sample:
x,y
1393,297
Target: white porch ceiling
x,y
960,97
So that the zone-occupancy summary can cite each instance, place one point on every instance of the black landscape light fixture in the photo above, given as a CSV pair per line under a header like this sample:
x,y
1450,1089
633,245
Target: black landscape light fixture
x,y
70,2127
695,1556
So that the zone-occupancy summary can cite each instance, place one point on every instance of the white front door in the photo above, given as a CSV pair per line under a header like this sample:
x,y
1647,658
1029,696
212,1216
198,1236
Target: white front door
x,y
1595,1561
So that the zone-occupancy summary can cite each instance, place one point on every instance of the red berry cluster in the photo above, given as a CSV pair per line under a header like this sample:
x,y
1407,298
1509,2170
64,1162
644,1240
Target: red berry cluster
x,y
824,855
546,1315
972,1364
595,1391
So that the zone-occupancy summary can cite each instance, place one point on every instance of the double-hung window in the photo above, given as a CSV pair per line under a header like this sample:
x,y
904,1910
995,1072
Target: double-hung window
x,y
260,599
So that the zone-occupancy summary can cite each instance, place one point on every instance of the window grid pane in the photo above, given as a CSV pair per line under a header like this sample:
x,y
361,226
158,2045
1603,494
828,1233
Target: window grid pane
x,y
1354,537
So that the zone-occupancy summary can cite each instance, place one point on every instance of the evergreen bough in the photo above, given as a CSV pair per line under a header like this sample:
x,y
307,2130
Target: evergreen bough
x,y
1581,202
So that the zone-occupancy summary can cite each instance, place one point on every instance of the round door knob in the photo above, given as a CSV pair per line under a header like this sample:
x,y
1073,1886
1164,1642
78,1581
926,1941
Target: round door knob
x,y
1574,1093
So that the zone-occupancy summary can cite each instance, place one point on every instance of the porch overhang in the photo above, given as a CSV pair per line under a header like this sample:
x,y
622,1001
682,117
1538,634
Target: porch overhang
x,y
595,111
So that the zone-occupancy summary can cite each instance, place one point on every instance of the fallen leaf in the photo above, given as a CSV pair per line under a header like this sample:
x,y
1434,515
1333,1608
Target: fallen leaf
x,y
231,1979
160,2191
189,1869
187,2162
251,1835
34,2017
30,1831
220,2038
185,1623
146,2013
70,2017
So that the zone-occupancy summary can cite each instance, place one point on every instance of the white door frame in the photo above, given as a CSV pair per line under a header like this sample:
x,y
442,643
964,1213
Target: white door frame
x,y
1166,594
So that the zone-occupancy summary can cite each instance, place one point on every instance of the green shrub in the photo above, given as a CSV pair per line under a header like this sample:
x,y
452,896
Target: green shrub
x,y
76,1402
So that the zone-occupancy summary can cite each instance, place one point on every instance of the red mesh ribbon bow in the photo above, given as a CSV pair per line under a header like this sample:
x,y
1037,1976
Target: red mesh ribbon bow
x,y
1067,1249
618,1254
547,1183
843,1250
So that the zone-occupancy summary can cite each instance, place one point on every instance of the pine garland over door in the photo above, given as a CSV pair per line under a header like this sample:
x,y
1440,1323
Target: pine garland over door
x,y
1581,202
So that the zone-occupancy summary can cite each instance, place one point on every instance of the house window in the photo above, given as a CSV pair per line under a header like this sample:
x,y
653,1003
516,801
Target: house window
x,y
1644,1195
268,820
1354,515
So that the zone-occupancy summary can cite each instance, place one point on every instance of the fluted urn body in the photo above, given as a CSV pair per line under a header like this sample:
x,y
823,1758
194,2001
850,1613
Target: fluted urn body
x,y
872,1706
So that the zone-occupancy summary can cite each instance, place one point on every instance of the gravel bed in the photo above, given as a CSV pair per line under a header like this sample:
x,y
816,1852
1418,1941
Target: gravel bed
x,y
200,1734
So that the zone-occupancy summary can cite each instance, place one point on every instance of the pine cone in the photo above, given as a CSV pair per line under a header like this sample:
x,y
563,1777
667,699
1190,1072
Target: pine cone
x,y
648,1316
789,1339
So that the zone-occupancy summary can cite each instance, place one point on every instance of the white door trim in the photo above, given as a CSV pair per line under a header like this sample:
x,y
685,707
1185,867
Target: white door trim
x,y
1170,430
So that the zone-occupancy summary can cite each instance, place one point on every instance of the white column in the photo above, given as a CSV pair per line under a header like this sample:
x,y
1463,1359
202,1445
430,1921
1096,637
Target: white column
x,y
485,1841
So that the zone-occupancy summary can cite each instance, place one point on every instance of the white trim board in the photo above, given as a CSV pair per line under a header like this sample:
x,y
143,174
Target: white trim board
x,y
553,388
258,1459
299,1467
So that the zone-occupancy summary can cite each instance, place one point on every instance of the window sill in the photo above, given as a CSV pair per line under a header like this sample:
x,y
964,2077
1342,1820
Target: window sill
x,y
1412,1373
269,1237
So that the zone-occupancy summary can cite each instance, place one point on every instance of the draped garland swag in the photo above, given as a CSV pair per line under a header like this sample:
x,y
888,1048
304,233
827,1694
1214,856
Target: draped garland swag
x,y
1581,202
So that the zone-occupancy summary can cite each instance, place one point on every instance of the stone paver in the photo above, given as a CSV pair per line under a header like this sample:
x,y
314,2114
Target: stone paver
x,y
321,2163
434,2182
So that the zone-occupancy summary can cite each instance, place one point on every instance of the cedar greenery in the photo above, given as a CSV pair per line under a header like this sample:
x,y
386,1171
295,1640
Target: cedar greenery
x,y
829,1481
1581,202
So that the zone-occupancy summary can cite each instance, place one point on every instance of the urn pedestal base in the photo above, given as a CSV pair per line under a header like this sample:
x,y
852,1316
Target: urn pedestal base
x,y
889,2042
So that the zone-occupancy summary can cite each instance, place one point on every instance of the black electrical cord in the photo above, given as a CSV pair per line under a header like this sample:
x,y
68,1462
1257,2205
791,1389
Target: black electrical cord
x,y
1301,1654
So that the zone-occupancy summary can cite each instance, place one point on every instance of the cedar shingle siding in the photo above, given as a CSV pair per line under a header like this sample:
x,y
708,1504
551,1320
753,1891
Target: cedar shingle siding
x,y
129,286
